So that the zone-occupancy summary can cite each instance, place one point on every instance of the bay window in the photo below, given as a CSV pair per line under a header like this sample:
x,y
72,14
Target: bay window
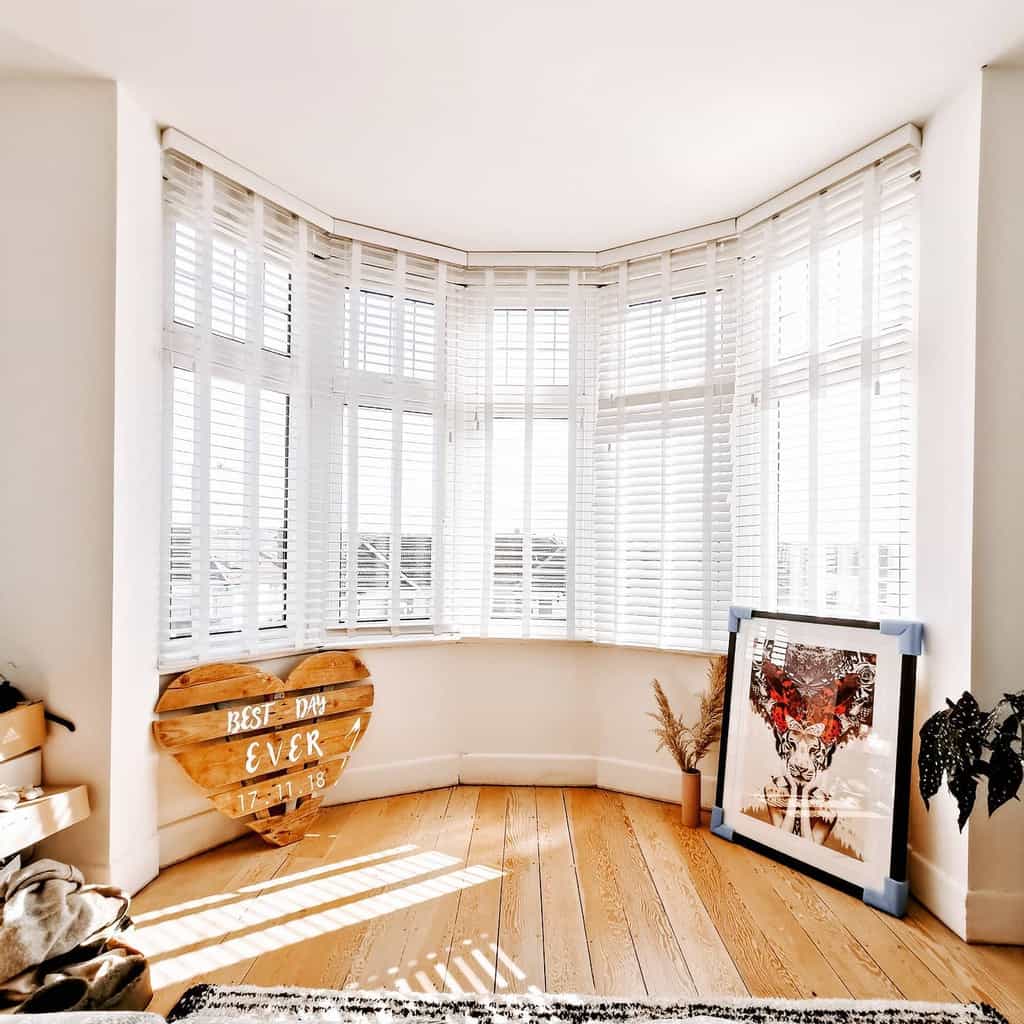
x,y
360,440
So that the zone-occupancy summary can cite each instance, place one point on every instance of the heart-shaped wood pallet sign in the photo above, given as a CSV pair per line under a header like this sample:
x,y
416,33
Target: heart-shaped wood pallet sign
x,y
264,748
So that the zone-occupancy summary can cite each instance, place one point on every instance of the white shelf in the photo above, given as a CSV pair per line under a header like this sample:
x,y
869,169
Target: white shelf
x,y
57,809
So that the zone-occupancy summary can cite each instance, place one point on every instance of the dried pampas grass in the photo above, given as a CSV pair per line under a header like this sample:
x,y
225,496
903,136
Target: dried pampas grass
x,y
689,744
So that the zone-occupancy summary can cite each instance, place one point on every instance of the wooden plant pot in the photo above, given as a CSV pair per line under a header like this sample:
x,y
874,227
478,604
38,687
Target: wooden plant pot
x,y
690,798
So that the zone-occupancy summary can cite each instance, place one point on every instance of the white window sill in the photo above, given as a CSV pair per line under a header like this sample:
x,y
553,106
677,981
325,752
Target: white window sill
x,y
341,643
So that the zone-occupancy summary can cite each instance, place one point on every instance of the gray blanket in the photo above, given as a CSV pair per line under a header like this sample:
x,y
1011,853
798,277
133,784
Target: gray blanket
x,y
46,910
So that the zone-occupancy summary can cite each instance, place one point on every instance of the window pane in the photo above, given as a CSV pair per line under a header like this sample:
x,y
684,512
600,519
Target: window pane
x,y
375,350
273,509
183,526
507,504
548,505
510,348
551,347
229,543
186,274
230,289
789,298
277,307
373,579
417,517
549,519
419,339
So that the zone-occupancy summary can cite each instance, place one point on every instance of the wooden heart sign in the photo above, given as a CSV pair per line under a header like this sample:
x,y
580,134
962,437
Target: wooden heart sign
x,y
265,749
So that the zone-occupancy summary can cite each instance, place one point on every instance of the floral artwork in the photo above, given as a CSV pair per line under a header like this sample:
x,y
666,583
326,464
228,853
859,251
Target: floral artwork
x,y
816,747
816,701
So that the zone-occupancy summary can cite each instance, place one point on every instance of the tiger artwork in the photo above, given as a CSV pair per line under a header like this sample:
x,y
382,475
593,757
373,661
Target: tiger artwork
x,y
815,700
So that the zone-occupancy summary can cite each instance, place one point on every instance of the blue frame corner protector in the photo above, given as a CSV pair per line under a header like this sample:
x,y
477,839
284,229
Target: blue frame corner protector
x,y
892,898
718,826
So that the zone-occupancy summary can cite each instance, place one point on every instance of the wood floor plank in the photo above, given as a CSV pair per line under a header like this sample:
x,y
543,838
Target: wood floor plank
x,y
710,965
757,961
520,946
1007,964
613,957
181,922
900,964
661,960
377,963
316,847
399,824
350,857
428,938
752,875
580,890
858,971
472,959
963,972
566,954
322,921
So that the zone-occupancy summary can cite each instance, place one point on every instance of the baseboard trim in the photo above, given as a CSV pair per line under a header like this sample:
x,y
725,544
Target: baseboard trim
x,y
994,915
186,837
646,780
367,782
939,892
134,872
189,836
528,769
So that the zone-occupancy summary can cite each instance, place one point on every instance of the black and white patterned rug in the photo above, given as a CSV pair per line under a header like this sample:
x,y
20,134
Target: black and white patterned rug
x,y
215,1004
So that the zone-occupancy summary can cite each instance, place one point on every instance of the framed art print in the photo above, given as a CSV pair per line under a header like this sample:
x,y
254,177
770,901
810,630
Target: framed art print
x,y
814,768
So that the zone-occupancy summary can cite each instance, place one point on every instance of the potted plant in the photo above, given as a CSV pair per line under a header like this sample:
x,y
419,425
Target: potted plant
x,y
965,744
689,743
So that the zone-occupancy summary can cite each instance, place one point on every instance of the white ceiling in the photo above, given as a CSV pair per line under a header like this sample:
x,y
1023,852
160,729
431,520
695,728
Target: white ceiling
x,y
525,124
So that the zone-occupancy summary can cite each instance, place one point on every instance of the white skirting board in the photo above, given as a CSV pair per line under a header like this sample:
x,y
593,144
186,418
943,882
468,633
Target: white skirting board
x,y
528,769
995,916
938,891
186,837
976,915
189,836
360,782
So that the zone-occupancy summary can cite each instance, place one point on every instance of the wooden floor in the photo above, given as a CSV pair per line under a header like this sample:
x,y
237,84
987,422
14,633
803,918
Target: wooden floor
x,y
474,889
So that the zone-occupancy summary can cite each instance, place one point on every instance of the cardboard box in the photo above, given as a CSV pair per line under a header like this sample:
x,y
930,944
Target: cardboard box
x,y
22,728
23,771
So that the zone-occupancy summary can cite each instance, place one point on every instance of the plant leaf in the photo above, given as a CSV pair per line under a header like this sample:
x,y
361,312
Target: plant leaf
x,y
1006,772
932,754
964,787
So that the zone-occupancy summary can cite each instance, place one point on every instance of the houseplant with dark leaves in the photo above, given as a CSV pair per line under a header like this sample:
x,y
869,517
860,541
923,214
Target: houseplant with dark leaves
x,y
965,744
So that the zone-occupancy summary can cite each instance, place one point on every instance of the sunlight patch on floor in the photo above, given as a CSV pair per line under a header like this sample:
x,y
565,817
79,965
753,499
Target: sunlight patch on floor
x,y
219,898
216,922
239,948
473,966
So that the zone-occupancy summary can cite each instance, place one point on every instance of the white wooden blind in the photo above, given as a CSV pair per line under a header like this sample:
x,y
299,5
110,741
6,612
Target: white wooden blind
x,y
662,540
823,439
388,443
522,418
305,429
237,365
362,440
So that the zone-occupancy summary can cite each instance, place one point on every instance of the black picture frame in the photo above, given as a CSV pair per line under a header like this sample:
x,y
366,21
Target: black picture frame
x,y
892,895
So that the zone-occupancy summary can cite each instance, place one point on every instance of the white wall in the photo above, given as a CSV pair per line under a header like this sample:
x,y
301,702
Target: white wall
x,y
137,494
970,551
995,909
945,466
57,202
518,712
79,333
